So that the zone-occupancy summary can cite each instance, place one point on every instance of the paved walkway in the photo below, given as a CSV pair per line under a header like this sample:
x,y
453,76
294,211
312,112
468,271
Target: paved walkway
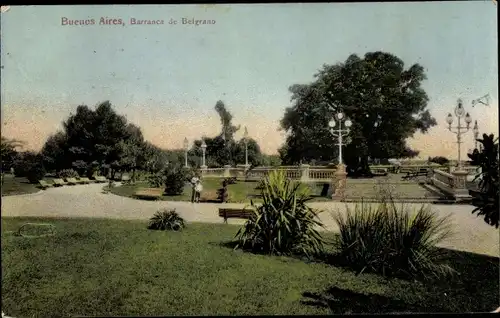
x,y
473,234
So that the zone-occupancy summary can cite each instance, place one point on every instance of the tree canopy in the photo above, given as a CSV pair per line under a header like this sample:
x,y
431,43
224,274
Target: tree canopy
x,y
384,101
223,149
96,138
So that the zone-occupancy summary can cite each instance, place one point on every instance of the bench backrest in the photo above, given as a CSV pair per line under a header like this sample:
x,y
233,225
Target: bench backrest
x,y
236,212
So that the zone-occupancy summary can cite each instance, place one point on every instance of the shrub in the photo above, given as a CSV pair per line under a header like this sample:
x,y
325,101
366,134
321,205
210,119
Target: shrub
x,y
35,173
174,181
67,173
487,200
283,224
30,165
156,180
390,241
222,193
165,219
231,180
260,185
439,160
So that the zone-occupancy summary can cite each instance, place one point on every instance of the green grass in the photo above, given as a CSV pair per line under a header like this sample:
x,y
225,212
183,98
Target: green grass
x,y
95,267
241,192
13,186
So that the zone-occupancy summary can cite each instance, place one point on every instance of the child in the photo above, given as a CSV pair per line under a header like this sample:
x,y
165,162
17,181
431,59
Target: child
x,y
198,188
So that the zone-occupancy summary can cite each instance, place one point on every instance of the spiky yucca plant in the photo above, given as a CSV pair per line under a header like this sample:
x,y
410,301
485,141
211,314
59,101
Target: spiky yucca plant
x,y
166,220
393,241
283,224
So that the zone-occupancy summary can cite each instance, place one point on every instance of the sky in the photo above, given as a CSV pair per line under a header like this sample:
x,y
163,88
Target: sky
x,y
166,78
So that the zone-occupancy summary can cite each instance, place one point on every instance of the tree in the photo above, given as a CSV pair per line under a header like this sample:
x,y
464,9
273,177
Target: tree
x,y
29,164
384,101
223,149
487,200
9,152
95,138
439,160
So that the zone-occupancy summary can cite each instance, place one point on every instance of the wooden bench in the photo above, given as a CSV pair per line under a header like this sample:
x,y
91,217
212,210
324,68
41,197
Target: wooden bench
x,y
85,180
235,213
420,173
100,179
149,193
44,185
59,182
73,181
379,172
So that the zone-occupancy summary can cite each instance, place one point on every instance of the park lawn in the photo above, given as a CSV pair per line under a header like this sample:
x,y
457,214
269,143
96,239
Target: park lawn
x,y
14,186
240,192
95,267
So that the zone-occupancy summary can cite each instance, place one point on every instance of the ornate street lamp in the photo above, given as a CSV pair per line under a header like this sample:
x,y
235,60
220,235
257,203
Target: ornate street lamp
x,y
245,140
339,132
459,130
204,149
186,149
475,130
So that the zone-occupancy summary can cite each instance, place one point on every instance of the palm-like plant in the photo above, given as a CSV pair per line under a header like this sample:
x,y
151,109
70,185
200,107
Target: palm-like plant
x,y
166,220
392,241
283,224
487,200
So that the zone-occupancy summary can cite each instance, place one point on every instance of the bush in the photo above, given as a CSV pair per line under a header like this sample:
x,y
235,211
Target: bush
x,y
439,160
156,180
390,241
231,180
67,173
166,220
283,224
487,200
222,193
175,181
35,173
30,165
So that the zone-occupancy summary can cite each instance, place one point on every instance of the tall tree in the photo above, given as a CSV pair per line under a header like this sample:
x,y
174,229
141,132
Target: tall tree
x,y
9,151
228,129
384,101
95,137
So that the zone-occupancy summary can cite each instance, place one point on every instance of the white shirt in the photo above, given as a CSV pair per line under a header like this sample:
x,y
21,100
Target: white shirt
x,y
198,187
194,180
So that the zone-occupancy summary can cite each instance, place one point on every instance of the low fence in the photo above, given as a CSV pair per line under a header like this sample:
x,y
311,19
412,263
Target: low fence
x,y
443,177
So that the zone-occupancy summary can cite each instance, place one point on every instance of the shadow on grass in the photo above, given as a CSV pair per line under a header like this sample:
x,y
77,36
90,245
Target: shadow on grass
x,y
473,288
342,301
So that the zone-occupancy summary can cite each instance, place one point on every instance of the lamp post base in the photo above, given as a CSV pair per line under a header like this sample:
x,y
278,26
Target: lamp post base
x,y
339,182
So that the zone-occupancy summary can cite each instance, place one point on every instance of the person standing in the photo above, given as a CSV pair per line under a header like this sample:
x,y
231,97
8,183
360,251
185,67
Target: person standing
x,y
194,181
198,189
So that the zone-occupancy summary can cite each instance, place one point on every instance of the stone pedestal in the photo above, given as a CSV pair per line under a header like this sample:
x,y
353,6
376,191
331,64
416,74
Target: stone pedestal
x,y
339,182
460,184
304,172
227,171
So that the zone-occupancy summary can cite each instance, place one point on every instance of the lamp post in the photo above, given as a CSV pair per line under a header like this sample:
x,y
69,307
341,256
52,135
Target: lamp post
x,y
475,130
204,149
245,140
339,131
186,148
459,130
